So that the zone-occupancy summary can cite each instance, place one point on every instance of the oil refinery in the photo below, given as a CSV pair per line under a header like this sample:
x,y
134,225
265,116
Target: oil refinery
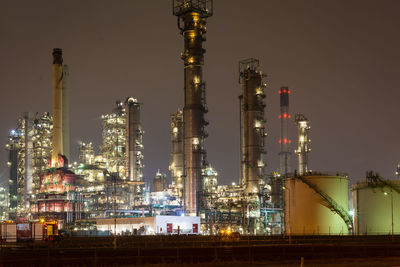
x,y
105,190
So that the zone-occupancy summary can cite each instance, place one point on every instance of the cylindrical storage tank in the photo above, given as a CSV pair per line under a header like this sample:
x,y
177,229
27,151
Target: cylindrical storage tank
x,y
374,204
307,212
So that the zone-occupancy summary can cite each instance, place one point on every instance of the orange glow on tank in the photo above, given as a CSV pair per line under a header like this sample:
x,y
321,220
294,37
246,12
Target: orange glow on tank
x,y
285,140
285,115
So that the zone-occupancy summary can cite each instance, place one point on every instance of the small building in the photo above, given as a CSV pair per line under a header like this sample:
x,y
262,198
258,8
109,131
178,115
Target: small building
x,y
164,225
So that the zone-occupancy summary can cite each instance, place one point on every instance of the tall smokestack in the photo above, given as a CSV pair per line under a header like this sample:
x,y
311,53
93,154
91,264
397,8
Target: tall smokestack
x,y
65,111
57,140
192,17
284,141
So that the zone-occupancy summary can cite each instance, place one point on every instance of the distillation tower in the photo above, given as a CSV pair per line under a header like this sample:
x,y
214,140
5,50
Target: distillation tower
x,y
252,128
303,143
176,158
252,138
192,15
134,148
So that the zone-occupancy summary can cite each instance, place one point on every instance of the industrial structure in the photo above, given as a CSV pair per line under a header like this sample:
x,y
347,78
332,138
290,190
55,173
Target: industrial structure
x,y
376,205
276,180
303,143
29,147
317,203
176,166
192,17
159,182
106,186
121,152
4,203
58,196
252,125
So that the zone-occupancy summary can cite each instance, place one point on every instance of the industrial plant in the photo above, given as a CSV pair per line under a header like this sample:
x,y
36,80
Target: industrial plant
x,y
105,190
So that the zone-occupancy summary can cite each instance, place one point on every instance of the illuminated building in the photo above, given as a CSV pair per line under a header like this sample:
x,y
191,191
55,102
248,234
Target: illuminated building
x,y
121,152
4,203
29,150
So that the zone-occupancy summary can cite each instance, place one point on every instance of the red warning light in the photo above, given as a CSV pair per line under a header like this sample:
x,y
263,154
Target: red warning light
x,y
284,90
290,141
285,115
285,140
279,91
280,116
288,92
289,116
280,141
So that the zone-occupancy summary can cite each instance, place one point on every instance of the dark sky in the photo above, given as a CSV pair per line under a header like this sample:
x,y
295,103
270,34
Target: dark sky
x,y
341,59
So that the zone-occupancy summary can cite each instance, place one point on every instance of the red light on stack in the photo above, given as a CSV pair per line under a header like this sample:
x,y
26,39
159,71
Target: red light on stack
x,y
279,92
284,90
290,141
280,116
288,92
289,116
285,115
285,140
280,141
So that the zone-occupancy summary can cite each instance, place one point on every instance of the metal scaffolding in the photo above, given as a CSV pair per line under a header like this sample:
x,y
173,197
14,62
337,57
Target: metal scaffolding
x,y
29,151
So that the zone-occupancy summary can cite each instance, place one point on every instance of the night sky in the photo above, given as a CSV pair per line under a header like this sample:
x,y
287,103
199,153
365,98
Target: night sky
x,y
341,60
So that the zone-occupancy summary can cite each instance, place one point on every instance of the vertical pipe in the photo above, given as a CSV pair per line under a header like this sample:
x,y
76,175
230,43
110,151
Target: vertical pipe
x,y
57,139
240,141
65,112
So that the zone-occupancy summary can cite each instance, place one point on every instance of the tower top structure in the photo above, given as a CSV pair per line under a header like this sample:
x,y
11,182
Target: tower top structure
x,y
203,7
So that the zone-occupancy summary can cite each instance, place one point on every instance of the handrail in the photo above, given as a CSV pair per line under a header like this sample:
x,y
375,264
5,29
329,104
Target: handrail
x,y
333,205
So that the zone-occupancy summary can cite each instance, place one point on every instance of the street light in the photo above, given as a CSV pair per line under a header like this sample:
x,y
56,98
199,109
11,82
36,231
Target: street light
x,y
391,201
290,230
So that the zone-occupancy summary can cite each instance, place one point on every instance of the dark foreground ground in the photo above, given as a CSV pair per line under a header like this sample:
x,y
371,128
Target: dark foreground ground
x,y
207,251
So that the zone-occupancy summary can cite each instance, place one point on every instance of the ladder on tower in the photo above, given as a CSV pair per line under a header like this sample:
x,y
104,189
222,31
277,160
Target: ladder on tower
x,y
332,204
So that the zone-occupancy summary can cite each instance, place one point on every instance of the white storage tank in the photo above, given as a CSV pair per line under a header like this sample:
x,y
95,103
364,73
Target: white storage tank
x,y
317,204
375,204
